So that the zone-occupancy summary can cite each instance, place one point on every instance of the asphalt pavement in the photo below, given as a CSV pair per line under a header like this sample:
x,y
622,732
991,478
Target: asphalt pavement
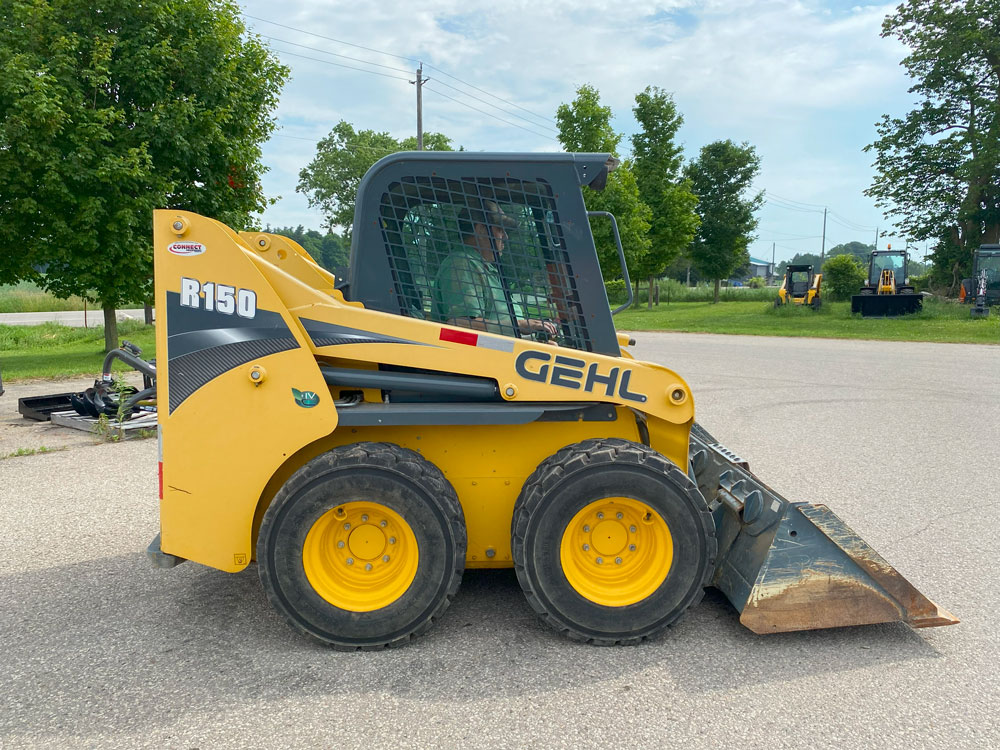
x,y
902,440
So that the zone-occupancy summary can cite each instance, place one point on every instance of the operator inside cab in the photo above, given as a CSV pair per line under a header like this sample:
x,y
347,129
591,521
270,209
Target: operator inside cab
x,y
469,288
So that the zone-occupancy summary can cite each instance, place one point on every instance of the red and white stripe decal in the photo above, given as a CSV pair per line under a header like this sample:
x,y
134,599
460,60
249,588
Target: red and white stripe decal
x,y
471,338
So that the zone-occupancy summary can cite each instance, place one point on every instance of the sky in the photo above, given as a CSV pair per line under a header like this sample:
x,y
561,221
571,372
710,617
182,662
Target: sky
x,y
803,81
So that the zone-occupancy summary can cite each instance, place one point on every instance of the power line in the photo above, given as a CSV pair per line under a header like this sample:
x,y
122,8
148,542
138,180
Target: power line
x,y
411,59
769,199
490,114
488,104
340,65
330,38
792,200
853,225
464,83
334,54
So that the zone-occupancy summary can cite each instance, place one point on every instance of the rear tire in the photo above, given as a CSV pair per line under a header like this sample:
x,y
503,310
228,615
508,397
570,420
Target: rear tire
x,y
817,303
364,547
612,542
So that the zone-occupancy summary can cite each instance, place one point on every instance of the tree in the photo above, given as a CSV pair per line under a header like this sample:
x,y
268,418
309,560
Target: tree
x,y
330,181
107,113
843,275
721,176
658,159
330,250
858,250
938,168
585,125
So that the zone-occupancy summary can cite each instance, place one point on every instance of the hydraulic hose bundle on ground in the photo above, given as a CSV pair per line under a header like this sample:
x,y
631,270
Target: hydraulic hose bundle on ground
x,y
110,397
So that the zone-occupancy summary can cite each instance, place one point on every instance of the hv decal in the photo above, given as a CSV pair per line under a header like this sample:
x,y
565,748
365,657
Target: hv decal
x,y
222,298
305,399
569,372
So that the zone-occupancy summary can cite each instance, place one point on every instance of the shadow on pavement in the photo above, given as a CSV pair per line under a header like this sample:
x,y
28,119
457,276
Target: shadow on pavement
x,y
113,645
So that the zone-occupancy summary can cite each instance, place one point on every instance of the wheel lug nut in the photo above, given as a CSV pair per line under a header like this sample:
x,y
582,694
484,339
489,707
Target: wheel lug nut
x,y
600,560
632,529
392,540
586,548
385,558
619,516
618,561
631,548
350,561
364,518
383,524
347,526
586,528
600,515
368,566
340,544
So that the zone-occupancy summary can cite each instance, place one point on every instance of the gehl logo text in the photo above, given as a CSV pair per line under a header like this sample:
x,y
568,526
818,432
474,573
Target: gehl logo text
x,y
569,372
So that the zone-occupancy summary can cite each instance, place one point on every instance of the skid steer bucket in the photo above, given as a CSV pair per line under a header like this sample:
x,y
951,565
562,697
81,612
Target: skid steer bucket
x,y
796,566
885,305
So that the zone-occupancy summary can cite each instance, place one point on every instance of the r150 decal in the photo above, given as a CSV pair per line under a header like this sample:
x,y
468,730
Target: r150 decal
x,y
218,298
569,372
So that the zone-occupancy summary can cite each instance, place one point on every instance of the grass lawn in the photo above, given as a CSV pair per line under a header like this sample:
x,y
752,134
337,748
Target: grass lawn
x,y
27,297
939,321
52,350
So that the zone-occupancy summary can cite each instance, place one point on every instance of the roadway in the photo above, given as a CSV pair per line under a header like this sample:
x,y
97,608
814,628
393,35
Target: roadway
x,y
75,318
900,439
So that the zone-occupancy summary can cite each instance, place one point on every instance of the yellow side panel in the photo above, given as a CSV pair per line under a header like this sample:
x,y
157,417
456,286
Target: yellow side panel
x,y
487,465
224,441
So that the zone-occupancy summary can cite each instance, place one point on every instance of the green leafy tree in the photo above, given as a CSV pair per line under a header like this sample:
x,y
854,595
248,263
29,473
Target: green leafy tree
x,y
657,167
108,111
721,177
585,126
843,275
938,167
799,259
330,181
859,250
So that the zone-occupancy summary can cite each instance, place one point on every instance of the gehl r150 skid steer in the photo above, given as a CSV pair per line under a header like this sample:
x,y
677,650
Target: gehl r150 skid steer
x,y
464,400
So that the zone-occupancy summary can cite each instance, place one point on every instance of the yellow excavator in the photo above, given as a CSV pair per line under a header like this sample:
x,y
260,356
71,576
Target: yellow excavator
x,y
463,400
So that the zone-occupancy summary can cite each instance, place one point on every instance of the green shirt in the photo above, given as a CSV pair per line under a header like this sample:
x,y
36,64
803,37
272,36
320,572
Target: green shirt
x,y
466,286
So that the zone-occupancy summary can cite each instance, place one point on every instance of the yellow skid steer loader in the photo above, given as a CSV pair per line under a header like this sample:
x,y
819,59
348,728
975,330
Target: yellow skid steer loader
x,y
463,400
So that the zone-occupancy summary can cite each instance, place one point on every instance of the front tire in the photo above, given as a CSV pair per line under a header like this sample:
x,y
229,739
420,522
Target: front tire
x,y
612,542
364,547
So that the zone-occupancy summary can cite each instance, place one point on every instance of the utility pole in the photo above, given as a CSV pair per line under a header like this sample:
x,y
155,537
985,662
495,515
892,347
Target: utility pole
x,y
875,246
822,251
420,105
772,260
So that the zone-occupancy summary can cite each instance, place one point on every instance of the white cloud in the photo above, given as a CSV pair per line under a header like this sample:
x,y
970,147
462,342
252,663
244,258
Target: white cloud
x,y
803,81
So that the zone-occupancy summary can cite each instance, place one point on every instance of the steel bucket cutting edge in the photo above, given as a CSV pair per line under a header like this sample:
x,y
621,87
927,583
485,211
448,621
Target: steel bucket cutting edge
x,y
817,573
796,566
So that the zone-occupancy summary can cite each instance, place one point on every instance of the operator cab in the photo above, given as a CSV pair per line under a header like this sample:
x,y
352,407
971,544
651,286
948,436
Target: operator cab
x,y
888,273
499,243
800,286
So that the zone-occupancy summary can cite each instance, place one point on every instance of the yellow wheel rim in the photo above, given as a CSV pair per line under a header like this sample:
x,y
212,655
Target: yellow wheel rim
x,y
360,556
616,551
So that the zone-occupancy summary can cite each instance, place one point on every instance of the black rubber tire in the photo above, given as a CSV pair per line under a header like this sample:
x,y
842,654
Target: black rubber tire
x,y
817,303
405,482
571,479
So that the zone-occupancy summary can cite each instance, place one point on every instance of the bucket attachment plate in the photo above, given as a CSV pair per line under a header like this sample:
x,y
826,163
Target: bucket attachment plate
x,y
796,566
886,305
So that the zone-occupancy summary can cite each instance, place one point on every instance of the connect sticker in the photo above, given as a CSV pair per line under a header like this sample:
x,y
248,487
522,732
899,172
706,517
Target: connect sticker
x,y
186,248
